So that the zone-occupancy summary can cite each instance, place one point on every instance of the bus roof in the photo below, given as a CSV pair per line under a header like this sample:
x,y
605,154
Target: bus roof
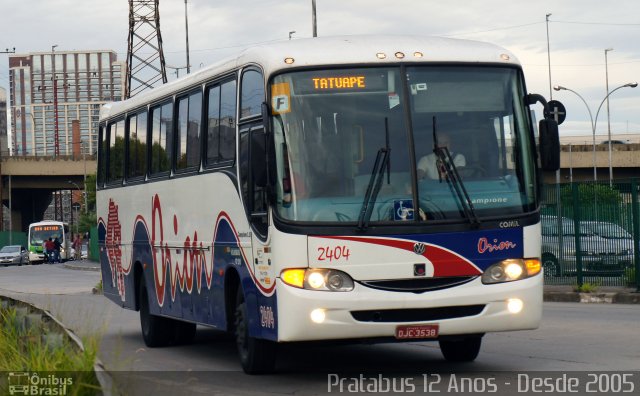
x,y
328,51
47,222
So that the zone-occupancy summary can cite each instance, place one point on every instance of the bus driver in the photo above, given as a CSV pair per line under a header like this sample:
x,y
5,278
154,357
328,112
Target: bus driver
x,y
430,165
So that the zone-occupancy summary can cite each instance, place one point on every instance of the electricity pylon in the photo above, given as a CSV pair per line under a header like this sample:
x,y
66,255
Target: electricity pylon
x,y
145,59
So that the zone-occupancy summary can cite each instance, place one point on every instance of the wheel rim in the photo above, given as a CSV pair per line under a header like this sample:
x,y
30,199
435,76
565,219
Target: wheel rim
x,y
550,266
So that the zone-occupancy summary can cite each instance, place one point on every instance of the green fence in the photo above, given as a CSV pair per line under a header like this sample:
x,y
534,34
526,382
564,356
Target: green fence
x,y
591,233
13,238
94,250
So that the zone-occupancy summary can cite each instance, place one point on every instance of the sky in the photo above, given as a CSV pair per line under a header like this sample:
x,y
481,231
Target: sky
x,y
579,33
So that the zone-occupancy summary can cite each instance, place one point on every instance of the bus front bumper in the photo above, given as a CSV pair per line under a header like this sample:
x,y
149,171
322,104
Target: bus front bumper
x,y
35,257
296,308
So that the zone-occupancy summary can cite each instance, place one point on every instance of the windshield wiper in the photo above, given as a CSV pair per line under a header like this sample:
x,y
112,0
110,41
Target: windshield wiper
x,y
381,164
444,156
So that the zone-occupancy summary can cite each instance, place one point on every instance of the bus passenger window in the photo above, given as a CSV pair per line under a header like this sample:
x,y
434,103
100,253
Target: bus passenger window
x,y
188,150
221,123
137,165
161,137
116,152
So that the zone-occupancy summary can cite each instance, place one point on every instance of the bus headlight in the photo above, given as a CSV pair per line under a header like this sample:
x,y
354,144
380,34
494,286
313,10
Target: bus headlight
x,y
511,270
317,279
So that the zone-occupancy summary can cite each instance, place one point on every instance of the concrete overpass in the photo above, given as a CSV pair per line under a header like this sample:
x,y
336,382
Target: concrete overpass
x,y
576,162
30,181
27,184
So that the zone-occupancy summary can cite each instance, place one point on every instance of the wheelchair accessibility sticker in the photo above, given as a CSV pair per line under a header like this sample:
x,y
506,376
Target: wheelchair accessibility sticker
x,y
403,210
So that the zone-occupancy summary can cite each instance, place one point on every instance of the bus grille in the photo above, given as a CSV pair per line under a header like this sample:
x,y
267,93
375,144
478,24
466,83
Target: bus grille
x,y
418,285
417,315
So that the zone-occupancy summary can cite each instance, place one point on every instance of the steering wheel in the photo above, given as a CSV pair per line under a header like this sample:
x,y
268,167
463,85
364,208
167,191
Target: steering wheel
x,y
327,214
431,210
472,171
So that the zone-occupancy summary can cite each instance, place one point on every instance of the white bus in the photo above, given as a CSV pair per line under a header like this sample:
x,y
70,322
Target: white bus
x,y
43,230
283,195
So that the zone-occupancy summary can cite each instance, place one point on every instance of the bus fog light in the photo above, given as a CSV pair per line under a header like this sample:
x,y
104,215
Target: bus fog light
x,y
318,315
515,305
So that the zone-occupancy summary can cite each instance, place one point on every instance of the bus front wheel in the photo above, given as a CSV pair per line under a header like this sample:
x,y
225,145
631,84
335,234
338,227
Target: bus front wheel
x,y
256,355
462,349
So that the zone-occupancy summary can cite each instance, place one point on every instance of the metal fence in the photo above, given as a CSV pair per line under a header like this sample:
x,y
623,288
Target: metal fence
x,y
591,233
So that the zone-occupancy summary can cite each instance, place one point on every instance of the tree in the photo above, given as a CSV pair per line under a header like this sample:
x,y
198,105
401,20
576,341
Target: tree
x,y
88,218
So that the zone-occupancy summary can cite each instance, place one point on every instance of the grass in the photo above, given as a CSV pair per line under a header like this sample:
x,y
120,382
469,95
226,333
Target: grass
x,y
98,286
586,287
630,277
43,349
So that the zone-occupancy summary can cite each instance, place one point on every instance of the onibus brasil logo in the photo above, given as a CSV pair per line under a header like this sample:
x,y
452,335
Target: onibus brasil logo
x,y
25,383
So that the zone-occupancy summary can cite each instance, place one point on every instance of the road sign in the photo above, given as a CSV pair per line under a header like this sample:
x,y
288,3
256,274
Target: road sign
x,y
557,111
75,206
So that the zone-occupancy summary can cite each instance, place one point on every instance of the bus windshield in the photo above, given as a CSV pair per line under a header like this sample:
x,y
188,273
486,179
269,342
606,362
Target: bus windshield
x,y
332,125
40,233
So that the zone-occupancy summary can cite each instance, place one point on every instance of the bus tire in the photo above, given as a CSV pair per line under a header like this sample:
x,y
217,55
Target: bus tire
x,y
257,356
461,350
184,332
156,330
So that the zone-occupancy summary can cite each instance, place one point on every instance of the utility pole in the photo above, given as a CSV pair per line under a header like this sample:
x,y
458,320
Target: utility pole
x,y
549,58
186,26
313,18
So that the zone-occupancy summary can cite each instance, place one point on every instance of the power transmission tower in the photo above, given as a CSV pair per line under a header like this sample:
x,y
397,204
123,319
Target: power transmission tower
x,y
145,59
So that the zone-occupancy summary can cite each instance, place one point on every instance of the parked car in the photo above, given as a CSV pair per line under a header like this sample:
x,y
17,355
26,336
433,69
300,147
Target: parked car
x,y
14,255
598,255
612,232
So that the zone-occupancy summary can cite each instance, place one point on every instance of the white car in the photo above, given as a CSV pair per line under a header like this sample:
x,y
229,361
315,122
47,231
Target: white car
x,y
14,255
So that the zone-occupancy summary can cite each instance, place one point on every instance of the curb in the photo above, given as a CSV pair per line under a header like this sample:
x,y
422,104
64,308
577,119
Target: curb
x,y
593,298
81,267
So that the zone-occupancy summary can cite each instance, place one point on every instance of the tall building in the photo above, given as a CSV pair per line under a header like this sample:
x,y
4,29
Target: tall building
x,y
51,90
4,150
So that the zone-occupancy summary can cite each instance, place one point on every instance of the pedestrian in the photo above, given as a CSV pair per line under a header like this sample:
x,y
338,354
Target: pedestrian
x,y
56,250
77,246
49,247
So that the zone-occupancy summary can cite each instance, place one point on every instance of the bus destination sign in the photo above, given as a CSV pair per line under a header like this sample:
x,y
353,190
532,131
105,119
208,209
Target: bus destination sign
x,y
46,228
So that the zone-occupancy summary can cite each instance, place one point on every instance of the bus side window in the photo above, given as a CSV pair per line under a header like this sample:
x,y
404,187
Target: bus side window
x,y
137,138
115,152
221,123
161,137
252,94
252,150
101,156
188,120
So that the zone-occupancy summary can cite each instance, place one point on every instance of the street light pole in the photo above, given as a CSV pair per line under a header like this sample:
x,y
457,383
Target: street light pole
x,y
549,57
186,26
606,69
594,121
313,18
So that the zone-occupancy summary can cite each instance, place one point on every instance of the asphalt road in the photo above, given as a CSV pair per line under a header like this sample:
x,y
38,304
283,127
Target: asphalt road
x,y
572,338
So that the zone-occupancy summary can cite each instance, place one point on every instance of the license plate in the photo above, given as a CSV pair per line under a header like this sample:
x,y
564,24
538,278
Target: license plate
x,y
417,331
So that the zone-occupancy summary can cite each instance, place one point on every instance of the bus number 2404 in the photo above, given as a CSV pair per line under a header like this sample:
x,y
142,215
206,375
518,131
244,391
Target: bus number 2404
x,y
328,253
267,319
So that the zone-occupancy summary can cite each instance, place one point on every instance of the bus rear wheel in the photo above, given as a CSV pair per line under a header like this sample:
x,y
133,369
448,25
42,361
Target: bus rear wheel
x,y
156,330
257,356
462,349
